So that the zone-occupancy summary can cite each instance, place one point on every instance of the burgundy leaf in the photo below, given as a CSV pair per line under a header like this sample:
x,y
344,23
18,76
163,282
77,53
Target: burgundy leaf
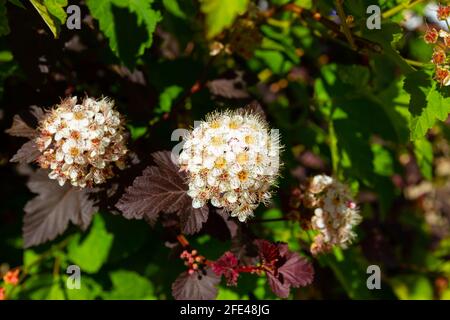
x,y
255,108
48,214
228,88
268,251
226,265
282,290
296,271
162,188
284,268
192,219
37,112
27,153
196,286
20,129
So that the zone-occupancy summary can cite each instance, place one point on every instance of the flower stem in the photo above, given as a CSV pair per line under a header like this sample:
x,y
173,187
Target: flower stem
x,y
183,241
416,63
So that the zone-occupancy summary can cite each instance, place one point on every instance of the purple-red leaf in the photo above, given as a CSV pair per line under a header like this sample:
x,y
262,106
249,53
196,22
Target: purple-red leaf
x,y
296,270
20,129
284,268
192,219
27,153
196,286
227,265
37,112
162,188
228,88
48,214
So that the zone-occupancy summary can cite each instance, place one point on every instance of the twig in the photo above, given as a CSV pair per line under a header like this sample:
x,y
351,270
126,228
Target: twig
x,y
345,27
400,7
359,42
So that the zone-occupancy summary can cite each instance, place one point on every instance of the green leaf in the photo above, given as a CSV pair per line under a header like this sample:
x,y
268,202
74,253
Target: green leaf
x,y
437,108
41,287
17,3
30,261
4,26
89,289
57,9
386,36
52,12
167,97
307,4
174,8
423,151
129,285
55,292
128,25
412,287
349,271
382,161
221,14
92,252
137,132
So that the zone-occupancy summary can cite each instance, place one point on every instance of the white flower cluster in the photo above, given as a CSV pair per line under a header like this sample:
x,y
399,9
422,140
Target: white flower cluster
x,y
83,142
335,213
232,159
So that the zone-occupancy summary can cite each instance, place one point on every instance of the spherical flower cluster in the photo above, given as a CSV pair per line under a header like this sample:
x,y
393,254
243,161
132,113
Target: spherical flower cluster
x,y
231,159
82,143
335,213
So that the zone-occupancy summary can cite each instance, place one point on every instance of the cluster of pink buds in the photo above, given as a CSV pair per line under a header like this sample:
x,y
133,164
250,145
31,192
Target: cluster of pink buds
x,y
193,260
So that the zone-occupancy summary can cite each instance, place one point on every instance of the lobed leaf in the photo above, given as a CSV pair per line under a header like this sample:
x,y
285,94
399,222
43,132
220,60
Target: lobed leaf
x,y
196,286
20,129
221,14
162,188
120,19
52,13
48,214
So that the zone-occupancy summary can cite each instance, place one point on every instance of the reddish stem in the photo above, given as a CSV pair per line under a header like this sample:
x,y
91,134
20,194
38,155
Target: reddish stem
x,y
183,241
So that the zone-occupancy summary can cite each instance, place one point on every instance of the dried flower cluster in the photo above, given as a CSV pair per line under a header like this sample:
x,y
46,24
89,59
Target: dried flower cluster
x,y
441,41
231,159
82,143
335,213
